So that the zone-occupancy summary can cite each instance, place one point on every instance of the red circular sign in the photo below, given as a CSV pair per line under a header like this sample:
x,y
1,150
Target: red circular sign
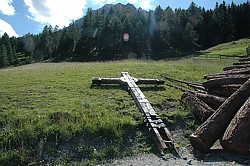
x,y
126,37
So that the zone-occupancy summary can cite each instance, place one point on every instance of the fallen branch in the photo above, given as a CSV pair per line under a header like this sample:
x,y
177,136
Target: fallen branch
x,y
179,88
194,85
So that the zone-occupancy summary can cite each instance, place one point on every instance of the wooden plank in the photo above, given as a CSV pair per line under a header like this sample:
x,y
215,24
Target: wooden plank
x,y
149,114
162,135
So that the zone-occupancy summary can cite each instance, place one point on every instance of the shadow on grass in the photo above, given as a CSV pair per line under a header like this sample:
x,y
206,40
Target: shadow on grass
x,y
124,87
108,87
98,150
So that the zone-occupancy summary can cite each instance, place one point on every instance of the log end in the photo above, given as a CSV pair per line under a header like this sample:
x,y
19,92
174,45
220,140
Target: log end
x,y
96,81
239,148
197,143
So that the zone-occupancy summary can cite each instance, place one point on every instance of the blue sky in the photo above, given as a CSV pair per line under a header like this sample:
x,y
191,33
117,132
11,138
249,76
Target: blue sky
x,y
19,17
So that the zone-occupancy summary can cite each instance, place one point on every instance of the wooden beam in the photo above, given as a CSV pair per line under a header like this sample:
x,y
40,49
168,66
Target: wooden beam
x,y
162,135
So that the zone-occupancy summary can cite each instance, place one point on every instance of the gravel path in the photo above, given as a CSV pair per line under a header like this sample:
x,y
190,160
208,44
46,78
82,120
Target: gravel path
x,y
217,156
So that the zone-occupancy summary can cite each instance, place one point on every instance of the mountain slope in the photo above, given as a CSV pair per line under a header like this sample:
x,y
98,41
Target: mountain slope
x,y
232,48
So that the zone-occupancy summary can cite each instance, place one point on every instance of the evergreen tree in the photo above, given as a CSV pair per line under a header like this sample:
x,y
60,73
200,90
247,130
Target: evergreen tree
x,y
3,56
190,38
57,34
6,43
29,45
194,14
13,42
225,22
45,42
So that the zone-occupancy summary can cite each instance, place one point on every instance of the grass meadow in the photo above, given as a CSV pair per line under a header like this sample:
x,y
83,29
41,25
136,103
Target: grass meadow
x,y
47,105
234,48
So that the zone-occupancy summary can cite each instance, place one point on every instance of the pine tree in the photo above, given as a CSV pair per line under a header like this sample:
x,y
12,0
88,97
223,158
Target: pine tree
x,y
225,22
190,38
6,42
3,56
13,42
29,45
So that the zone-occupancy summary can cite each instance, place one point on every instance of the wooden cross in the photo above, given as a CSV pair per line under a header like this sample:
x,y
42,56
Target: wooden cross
x,y
163,137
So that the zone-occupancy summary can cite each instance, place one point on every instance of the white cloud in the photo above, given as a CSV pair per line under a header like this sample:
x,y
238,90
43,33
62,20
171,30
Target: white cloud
x,y
144,4
55,12
62,12
103,2
132,1
6,27
6,7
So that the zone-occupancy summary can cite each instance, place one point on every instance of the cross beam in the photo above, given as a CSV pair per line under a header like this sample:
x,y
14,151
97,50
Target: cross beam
x,y
163,137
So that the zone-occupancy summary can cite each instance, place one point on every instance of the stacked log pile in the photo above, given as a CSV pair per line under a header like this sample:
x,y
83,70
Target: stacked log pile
x,y
222,103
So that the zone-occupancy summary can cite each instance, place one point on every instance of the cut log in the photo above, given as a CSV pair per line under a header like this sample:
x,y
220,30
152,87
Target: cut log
x,y
229,73
224,90
236,67
218,76
197,87
211,100
200,109
214,127
242,63
238,71
244,59
217,82
237,136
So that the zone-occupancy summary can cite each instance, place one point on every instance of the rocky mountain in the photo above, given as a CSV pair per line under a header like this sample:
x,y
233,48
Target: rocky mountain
x,y
127,9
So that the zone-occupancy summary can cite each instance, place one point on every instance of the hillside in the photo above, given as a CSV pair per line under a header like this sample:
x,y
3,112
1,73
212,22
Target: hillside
x,y
237,48
234,49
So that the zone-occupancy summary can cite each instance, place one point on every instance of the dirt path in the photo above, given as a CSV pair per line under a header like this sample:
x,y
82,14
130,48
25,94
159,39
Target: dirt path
x,y
217,156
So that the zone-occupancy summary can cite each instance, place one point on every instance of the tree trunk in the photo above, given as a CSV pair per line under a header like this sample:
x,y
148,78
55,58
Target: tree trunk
x,y
237,136
214,127
200,109
218,76
244,59
211,100
236,67
244,71
242,63
224,91
238,71
217,82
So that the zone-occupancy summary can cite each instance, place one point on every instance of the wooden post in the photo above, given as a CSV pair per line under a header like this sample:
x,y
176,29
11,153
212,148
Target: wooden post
x,y
163,137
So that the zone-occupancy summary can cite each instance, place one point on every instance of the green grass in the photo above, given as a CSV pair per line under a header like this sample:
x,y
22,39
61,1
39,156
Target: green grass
x,y
235,48
56,103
